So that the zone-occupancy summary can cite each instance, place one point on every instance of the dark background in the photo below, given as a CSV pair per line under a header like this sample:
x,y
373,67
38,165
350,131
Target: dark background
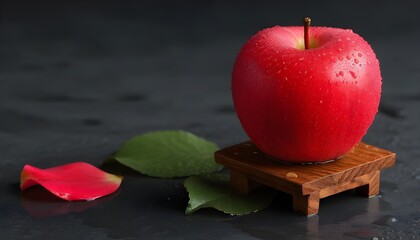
x,y
77,78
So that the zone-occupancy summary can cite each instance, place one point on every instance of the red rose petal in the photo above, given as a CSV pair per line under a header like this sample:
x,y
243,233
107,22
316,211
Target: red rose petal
x,y
41,203
74,181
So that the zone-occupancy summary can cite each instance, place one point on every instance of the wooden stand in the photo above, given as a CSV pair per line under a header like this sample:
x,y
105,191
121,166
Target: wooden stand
x,y
359,168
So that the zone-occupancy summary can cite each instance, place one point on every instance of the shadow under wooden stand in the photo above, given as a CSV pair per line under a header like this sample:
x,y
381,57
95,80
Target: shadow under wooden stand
x,y
360,168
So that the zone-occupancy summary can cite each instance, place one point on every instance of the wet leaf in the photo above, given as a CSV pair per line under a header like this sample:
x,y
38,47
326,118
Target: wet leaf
x,y
169,154
212,191
74,181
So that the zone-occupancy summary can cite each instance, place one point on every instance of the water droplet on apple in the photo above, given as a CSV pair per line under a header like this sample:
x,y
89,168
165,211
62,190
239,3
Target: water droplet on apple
x,y
348,39
341,73
348,57
285,78
340,58
368,63
340,49
359,54
353,74
355,82
339,39
320,101
360,65
284,63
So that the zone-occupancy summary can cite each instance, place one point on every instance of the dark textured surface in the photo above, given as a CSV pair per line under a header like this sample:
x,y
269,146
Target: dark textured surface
x,y
78,78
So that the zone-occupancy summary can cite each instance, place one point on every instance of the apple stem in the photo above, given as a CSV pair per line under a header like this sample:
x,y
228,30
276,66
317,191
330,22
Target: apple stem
x,y
306,24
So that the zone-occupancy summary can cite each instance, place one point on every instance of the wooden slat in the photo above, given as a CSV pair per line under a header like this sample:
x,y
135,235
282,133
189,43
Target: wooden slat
x,y
359,168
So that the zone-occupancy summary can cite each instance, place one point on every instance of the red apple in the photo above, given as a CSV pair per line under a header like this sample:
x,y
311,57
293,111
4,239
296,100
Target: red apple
x,y
306,105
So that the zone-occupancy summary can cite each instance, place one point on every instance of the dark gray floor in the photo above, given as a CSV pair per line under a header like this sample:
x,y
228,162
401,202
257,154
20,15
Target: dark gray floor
x,y
77,79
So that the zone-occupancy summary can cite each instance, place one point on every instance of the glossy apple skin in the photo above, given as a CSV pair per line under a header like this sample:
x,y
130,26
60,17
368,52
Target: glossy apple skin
x,y
302,105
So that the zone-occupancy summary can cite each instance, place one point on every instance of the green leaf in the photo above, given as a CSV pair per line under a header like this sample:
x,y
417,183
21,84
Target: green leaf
x,y
169,154
212,191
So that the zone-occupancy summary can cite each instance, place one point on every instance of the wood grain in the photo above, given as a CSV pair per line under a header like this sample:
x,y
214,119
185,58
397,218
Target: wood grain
x,y
242,183
359,168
